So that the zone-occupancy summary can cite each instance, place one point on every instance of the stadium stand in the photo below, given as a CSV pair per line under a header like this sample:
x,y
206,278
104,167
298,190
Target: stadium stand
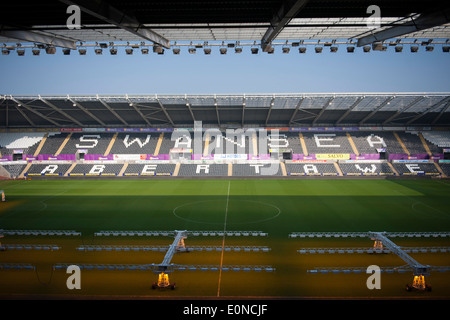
x,y
26,142
257,169
441,139
156,169
327,143
135,143
14,170
48,169
94,143
311,169
416,169
96,169
369,142
366,169
193,170
445,168
53,142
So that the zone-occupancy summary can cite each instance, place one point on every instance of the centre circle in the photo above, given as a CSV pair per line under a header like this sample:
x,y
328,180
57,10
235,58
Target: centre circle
x,y
236,211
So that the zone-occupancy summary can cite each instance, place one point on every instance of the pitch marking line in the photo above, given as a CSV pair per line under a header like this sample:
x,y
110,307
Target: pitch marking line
x,y
223,239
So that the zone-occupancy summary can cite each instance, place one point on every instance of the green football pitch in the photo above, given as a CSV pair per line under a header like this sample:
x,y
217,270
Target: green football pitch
x,y
276,207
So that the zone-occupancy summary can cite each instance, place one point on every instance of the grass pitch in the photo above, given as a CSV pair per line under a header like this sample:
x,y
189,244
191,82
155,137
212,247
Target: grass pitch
x,y
277,207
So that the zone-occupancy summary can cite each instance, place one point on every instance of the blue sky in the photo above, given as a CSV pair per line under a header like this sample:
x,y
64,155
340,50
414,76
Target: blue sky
x,y
232,73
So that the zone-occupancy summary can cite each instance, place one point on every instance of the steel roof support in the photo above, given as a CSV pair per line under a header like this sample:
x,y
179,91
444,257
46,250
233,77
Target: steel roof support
x,y
51,105
217,110
404,109
165,111
23,114
189,107
441,113
86,111
112,111
243,110
370,115
446,99
288,11
353,106
34,111
424,21
103,11
270,109
138,111
323,110
296,110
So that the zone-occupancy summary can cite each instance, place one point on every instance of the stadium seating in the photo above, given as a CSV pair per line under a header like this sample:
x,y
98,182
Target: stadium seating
x,y
438,138
311,169
94,143
14,170
327,142
257,169
416,169
53,143
157,169
135,143
48,169
96,169
445,168
366,169
27,142
193,170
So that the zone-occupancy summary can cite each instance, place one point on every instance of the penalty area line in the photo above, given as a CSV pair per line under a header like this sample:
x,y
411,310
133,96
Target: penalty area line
x,y
223,239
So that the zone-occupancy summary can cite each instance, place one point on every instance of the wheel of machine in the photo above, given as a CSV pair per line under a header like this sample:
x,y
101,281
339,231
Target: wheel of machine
x,y
408,287
172,287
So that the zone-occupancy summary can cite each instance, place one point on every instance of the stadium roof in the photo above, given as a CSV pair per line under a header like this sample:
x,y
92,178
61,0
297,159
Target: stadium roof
x,y
238,110
261,22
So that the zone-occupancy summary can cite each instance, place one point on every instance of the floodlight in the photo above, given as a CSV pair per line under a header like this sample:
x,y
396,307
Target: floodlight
x,y
445,49
36,52
113,51
302,49
429,48
295,44
271,50
223,50
378,47
98,51
333,49
255,50
230,45
350,49
82,52
50,50
176,51
192,50
398,48
237,50
286,49
103,45
144,51
207,50
414,48
66,51
161,52
157,49
318,49
20,52
129,51
366,49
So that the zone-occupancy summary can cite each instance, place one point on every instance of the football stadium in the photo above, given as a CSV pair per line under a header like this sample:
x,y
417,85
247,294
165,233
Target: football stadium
x,y
225,196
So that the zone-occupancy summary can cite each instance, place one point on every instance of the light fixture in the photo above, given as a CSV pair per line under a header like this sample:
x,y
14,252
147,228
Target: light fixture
x,y
144,51
255,50
429,48
286,49
333,49
158,49
36,52
207,50
398,48
129,51
192,50
98,51
103,45
223,50
445,49
176,51
350,49
82,52
271,50
414,48
366,49
318,49
237,50
20,52
50,50
302,49
113,51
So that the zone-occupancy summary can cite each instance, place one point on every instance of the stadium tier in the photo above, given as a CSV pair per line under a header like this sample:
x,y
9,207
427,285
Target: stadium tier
x,y
246,153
